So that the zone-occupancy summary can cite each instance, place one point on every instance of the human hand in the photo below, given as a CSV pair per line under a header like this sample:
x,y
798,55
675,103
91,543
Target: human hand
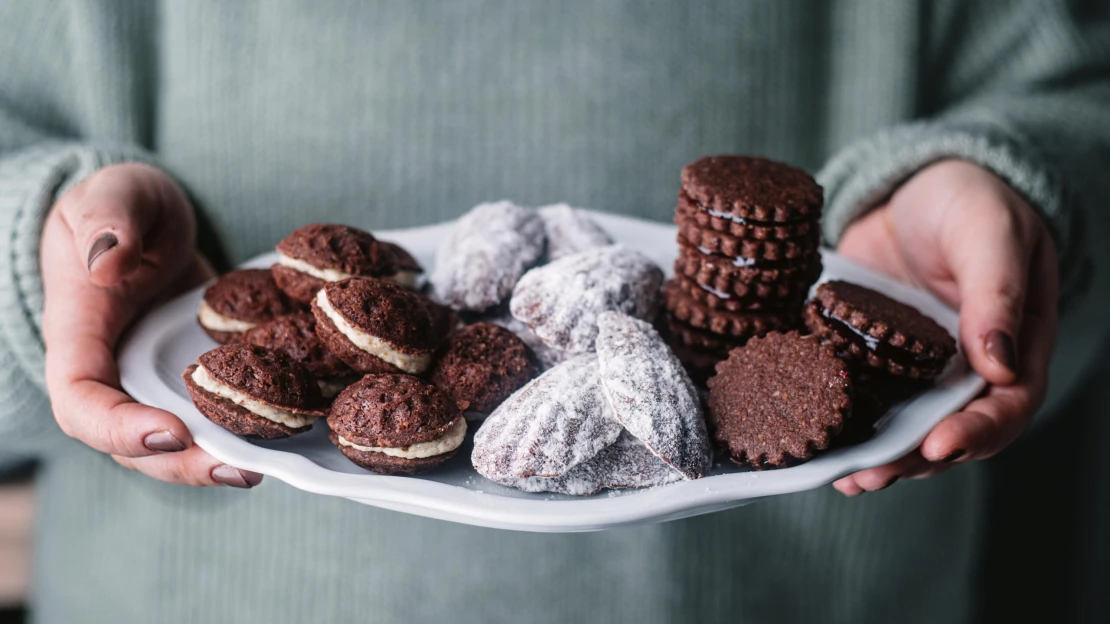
x,y
958,231
113,244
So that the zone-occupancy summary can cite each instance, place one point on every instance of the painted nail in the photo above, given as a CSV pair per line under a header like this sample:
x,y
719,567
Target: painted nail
x,y
953,456
101,245
163,442
229,475
1000,348
892,481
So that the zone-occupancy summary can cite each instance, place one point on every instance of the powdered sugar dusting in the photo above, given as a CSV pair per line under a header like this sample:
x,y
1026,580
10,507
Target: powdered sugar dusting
x,y
570,231
651,394
627,463
556,422
548,356
561,301
480,261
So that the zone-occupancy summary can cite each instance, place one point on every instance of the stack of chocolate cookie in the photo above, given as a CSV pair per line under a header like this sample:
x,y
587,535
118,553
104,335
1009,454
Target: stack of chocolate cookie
x,y
748,235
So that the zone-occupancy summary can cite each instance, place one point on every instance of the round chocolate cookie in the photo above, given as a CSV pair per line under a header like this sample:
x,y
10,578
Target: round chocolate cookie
x,y
711,220
377,326
325,252
396,424
778,400
254,391
295,334
765,299
752,191
868,327
238,301
685,308
754,250
483,365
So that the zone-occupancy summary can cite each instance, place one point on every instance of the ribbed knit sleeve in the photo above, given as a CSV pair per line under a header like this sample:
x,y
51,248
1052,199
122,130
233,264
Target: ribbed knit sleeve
x,y
1022,91
31,178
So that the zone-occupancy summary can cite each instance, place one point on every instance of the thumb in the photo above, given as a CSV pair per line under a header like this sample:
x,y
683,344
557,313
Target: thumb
x,y
990,265
108,214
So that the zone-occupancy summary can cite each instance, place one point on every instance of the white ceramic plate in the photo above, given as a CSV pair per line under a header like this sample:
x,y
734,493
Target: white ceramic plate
x,y
167,340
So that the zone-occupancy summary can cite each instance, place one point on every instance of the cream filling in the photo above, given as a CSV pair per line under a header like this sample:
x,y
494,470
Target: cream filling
x,y
404,278
446,443
373,345
276,414
215,321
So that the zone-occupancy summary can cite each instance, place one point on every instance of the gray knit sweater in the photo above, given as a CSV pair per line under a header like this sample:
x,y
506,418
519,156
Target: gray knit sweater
x,y
388,114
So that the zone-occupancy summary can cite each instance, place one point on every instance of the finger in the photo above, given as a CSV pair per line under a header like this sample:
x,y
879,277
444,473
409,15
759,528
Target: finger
x,y
93,411
990,262
882,477
193,467
983,428
108,216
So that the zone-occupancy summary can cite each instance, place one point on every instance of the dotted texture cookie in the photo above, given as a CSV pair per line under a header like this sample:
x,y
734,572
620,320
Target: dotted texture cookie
x,y
778,400
239,300
867,326
485,254
326,252
561,301
396,424
253,391
686,309
482,365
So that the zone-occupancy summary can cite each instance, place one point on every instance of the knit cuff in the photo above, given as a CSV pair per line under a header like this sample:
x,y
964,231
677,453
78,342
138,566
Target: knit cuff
x,y
30,181
866,173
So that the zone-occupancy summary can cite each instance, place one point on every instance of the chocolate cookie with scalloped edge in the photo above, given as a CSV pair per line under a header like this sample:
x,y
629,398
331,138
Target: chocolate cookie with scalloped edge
x,y
752,191
778,400
866,326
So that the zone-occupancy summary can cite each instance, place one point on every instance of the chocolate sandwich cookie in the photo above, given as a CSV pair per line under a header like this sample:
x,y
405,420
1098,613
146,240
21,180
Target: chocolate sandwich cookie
x,y
377,326
743,277
688,208
784,251
868,327
295,334
238,301
787,300
686,309
396,424
752,191
319,253
482,365
254,391
778,400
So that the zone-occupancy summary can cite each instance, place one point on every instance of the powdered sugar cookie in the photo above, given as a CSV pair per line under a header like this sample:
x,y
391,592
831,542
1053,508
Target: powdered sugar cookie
x,y
554,423
481,260
561,301
650,393
570,231
626,463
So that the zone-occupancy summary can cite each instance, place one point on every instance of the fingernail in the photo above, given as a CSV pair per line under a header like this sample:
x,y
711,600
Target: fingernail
x,y
1000,348
229,475
892,481
953,456
100,245
163,442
